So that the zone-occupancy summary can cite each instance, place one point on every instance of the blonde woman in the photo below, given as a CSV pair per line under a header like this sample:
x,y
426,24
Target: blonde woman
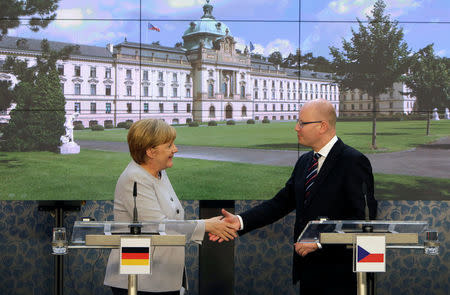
x,y
152,147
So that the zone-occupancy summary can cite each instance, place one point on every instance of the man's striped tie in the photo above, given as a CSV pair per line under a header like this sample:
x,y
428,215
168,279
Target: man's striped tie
x,y
312,174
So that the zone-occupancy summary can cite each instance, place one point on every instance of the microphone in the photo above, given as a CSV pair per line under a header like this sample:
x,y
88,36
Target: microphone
x,y
367,228
135,227
135,213
366,209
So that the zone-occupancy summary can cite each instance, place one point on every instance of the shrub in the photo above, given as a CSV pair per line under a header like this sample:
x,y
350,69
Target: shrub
x,y
188,120
97,128
212,123
193,124
266,121
78,127
250,121
92,123
231,122
122,125
108,124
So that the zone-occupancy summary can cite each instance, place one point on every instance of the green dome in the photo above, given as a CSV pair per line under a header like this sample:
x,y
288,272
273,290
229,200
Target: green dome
x,y
208,29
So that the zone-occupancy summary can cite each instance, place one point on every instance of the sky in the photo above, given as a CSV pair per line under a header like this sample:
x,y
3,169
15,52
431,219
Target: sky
x,y
271,25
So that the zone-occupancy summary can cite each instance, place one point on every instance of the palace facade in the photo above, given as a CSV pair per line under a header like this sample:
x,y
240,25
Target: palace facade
x,y
203,79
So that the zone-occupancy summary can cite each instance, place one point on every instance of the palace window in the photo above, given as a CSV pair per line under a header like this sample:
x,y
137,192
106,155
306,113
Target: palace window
x,y
77,107
210,90
129,108
61,70
145,107
244,111
212,112
93,73
93,89
108,90
77,88
77,71
93,108
129,91
129,74
108,108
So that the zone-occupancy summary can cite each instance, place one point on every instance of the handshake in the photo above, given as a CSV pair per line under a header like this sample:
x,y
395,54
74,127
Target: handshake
x,y
222,228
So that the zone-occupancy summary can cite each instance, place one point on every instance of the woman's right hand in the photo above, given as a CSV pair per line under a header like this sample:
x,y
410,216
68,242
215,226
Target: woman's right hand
x,y
218,227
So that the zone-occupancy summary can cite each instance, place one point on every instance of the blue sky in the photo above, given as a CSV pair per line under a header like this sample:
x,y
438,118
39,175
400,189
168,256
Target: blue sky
x,y
284,25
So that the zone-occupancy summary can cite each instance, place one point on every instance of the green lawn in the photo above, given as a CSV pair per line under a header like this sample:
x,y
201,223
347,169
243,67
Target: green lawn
x,y
392,136
92,175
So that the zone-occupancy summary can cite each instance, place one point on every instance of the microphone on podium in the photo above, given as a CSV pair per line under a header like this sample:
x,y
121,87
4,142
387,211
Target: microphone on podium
x,y
135,227
367,227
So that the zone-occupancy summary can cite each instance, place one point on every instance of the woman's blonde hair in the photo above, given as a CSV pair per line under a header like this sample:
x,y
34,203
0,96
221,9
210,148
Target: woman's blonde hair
x,y
148,133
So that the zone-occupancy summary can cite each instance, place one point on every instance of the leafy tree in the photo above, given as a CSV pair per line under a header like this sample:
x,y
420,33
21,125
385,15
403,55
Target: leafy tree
x,y
37,122
428,79
6,95
373,60
276,58
40,13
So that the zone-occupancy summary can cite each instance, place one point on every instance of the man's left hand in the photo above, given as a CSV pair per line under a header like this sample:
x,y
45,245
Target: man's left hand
x,y
303,249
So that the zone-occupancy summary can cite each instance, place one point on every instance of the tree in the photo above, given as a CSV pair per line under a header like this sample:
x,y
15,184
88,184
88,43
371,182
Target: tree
x,y
373,60
428,79
40,13
276,58
6,95
37,122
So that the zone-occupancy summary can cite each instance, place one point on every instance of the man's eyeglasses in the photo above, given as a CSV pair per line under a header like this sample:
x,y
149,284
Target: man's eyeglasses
x,y
302,124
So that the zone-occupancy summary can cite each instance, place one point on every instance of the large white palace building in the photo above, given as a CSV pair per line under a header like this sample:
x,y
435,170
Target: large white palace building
x,y
204,79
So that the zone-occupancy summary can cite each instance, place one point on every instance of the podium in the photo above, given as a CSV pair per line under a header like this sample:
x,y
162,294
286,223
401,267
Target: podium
x,y
111,235
394,235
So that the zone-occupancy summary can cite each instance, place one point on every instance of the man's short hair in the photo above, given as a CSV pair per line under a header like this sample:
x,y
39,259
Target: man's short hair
x,y
148,133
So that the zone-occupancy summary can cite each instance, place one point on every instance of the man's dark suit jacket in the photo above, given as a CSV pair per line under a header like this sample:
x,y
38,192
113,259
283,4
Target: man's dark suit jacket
x,y
337,195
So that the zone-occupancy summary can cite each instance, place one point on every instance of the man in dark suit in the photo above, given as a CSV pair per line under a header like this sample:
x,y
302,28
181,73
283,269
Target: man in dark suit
x,y
326,182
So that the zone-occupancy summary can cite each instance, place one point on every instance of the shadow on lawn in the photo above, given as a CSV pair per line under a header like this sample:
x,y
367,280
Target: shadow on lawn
x,y
9,163
423,190
378,133
276,146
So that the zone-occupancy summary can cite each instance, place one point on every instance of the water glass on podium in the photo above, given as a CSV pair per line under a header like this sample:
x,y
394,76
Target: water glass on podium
x,y
59,241
431,243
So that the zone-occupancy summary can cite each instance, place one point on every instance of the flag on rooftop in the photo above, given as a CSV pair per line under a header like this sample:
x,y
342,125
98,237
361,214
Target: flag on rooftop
x,y
251,46
153,28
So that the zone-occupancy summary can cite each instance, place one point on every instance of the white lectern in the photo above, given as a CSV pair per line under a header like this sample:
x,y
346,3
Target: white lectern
x,y
395,234
109,234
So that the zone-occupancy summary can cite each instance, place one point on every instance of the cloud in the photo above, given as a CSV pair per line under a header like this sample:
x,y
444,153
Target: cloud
x,y
69,18
337,9
185,3
442,53
284,46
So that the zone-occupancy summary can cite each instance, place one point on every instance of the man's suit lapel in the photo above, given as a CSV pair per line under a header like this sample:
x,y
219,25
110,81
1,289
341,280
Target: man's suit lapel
x,y
325,169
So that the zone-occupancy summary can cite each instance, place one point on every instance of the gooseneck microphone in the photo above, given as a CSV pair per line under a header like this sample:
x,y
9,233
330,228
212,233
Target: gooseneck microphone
x,y
366,209
135,213
135,227
366,228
